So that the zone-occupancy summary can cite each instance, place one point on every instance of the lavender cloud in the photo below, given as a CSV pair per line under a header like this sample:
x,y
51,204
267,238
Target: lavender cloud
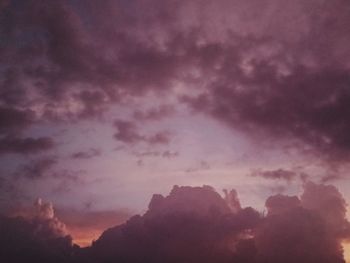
x,y
91,153
127,132
278,174
37,169
153,114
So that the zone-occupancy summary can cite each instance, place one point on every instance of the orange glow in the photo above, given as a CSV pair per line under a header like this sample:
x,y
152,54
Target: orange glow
x,y
85,237
346,247
87,226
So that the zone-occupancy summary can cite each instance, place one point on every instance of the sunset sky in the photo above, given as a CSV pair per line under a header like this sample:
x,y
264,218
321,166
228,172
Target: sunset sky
x,y
105,103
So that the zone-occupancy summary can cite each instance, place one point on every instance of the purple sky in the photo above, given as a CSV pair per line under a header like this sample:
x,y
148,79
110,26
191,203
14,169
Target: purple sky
x,y
104,103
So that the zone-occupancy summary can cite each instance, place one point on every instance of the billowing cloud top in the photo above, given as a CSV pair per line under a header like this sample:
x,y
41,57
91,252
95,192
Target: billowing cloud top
x,y
195,224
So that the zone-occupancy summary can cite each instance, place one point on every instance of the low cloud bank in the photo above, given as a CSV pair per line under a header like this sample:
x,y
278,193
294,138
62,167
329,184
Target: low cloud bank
x,y
195,224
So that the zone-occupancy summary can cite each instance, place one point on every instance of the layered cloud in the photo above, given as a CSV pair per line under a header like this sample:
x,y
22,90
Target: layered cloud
x,y
25,145
280,174
91,153
269,76
154,114
128,132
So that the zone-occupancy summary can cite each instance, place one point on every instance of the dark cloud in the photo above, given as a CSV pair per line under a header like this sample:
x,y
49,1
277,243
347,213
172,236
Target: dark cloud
x,y
274,90
139,162
13,120
278,204
54,53
35,237
94,103
279,174
179,226
170,154
165,154
147,154
25,145
292,231
128,132
328,202
307,105
255,68
37,169
192,224
67,180
47,167
162,137
91,153
154,114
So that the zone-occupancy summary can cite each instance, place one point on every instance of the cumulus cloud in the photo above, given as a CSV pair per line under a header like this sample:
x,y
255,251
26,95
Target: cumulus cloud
x,y
280,203
328,202
196,224
190,224
179,226
25,241
231,198
292,233
36,235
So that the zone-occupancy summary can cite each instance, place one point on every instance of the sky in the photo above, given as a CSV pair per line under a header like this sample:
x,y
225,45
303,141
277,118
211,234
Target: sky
x,y
105,103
